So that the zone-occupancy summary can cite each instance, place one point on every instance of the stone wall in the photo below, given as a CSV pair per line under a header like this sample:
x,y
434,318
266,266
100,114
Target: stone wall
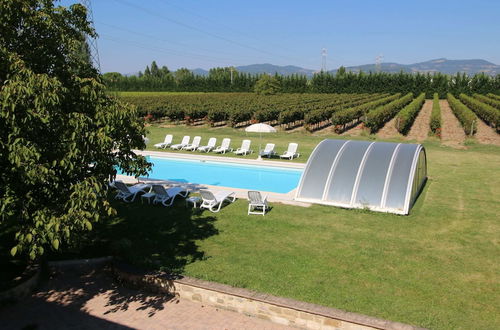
x,y
275,309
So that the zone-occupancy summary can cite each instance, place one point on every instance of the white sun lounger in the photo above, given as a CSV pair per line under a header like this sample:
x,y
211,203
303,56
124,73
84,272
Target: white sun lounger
x,y
291,152
184,142
193,146
244,149
257,204
224,147
167,196
167,142
213,200
268,150
211,144
128,194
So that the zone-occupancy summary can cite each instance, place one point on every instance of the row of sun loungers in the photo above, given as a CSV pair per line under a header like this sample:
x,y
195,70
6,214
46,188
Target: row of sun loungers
x,y
160,195
225,147
210,200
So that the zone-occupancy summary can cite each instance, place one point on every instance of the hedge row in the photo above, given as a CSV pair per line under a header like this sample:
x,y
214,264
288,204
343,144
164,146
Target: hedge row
x,y
493,96
406,117
343,117
485,111
465,116
376,118
320,118
491,101
435,123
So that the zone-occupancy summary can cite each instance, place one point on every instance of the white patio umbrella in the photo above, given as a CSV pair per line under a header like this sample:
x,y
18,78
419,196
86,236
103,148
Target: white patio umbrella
x,y
260,128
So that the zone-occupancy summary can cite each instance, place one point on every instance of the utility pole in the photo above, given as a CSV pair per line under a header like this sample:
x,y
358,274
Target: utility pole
x,y
91,41
378,62
231,76
323,60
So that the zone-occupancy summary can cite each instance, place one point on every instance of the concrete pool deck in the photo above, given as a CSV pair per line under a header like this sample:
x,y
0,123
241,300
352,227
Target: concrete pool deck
x,y
287,198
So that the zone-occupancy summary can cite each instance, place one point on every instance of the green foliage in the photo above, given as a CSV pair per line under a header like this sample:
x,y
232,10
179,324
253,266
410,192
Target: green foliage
x,y
464,115
485,111
219,80
217,108
346,116
267,85
321,116
406,117
435,122
494,102
376,118
61,135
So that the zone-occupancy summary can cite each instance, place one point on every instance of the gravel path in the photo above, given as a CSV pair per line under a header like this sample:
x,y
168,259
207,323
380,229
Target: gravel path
x,y
420,129
389,130
355,131
487,135
452,132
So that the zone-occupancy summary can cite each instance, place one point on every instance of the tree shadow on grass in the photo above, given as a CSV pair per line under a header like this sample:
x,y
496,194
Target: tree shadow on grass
x,y
157,237
152,237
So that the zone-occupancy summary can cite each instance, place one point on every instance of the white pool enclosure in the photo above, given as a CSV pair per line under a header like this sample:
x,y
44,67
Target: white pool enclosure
x,y
380,176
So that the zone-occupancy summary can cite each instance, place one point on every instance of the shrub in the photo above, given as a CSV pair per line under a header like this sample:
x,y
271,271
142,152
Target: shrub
x,y
485,111
376,118
406,117
435,123
489,100
348,115
464,115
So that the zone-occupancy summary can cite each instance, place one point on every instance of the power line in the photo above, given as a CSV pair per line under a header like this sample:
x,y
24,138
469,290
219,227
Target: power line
x,y
165,40
161,49
218,23
91,41
153,13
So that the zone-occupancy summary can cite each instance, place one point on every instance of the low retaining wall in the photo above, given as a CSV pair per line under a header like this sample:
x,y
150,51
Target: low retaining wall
x,y
275,309
31,277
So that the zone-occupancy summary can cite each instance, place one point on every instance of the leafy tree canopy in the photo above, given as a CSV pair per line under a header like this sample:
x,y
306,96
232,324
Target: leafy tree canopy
x,y
61,135
267,85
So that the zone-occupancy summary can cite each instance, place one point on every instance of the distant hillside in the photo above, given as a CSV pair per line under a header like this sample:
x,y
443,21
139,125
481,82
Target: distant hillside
x,y
265,68
442,65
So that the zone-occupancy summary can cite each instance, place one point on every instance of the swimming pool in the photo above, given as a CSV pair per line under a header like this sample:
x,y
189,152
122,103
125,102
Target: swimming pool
x,y
225,174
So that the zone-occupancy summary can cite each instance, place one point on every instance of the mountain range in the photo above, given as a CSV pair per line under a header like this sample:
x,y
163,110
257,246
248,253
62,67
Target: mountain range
x,y
442,65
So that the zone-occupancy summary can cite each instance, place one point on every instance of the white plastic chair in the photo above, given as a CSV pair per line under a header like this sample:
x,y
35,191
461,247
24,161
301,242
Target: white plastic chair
x,y
211,144
167,196
291,152
213,200
166,142
268,150
128,194
257,204
193,146
245,148
224,147
184,142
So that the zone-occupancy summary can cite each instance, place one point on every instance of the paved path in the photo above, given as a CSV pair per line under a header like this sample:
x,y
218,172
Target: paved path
x,y
91,300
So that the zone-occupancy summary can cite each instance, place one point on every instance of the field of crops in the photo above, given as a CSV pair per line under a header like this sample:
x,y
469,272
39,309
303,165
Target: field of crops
x,y
313,112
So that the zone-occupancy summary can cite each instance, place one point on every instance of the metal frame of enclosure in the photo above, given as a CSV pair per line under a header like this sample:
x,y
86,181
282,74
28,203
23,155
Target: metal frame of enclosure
x,y
380,176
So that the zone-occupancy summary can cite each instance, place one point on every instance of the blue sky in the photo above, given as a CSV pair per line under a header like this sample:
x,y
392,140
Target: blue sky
x,y
209,33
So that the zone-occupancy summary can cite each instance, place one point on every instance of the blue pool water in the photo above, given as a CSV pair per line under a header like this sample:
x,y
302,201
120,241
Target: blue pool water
x,y
273,179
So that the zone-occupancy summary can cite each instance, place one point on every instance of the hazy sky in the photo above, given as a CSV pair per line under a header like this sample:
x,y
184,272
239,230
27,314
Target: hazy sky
x,y
208,33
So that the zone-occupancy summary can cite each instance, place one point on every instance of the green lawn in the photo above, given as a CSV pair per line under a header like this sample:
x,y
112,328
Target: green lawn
x,y
438,267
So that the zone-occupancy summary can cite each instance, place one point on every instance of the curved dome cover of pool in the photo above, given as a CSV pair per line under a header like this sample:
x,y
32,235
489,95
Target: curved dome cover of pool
x,y
380,176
